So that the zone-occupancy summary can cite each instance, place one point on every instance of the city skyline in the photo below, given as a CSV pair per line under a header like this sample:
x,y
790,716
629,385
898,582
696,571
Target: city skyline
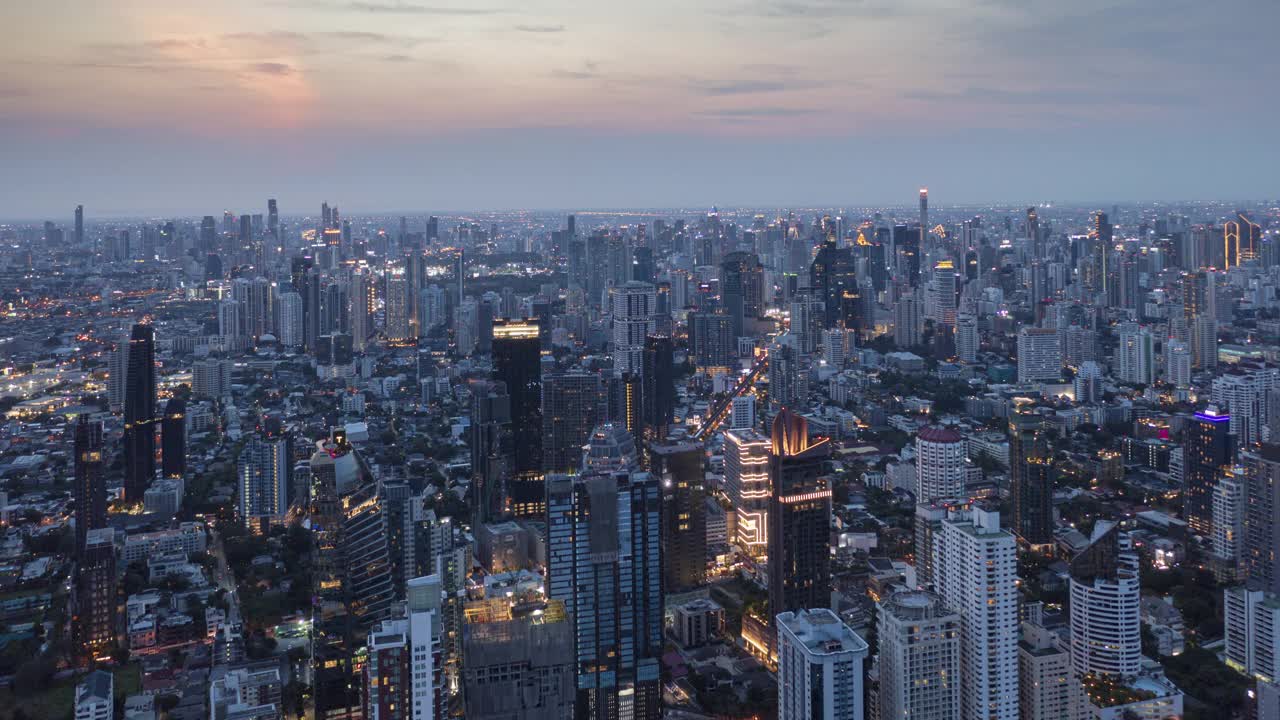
x,y
397,104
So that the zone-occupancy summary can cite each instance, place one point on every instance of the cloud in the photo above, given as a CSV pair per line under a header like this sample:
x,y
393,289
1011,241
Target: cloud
x,y
397,58
272,68
1056,97
541,28
756,112
742,87
590,69
822,9
405,8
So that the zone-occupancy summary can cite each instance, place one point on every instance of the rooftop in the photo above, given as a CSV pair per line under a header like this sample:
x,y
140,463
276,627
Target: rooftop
x,y
821,632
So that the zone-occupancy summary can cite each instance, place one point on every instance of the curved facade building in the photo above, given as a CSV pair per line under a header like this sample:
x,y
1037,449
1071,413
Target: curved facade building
x,y
940,457
1106,635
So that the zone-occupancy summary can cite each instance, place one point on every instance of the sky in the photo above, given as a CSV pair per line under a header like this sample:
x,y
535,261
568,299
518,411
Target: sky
x,y
184,107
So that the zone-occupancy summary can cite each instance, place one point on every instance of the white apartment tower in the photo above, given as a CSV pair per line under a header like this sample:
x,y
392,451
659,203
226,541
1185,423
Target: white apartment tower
x,y
1106,634
819,667
940,464
919,657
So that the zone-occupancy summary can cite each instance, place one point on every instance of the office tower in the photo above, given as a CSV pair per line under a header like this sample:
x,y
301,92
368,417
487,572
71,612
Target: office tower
x,y
1136,355
837,345
967,340
799,517
1031,477
1204,342
943,293
975,570
1104,246
924,210
570,411
1087,383
741,289
820,671
833,277
907,253
1262,518
658,386
230,320
117,375
1177,363
94,621
1047,687
940,464
173,439
361,297
605,556
806,321
1227,537
460,276
79,225
633,309
1106,636
518,664
91,489
1207,448
746,480
492,436
140,413
711,340
517,362
680,469
466,327
263,476
742,412
907,324
1039,355
1252,622
788,378
624,399
919,650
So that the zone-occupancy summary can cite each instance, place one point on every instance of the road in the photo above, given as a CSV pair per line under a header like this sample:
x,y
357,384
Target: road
x,y
717,413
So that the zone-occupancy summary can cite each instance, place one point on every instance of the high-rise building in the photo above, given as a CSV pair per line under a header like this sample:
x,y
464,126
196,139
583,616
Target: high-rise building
x,y
570,411
518,663
1177,363
94,622
907,322
1031,477
1135,355
680,469
975,571
140,413
742,288
491,441
91,489
1207,449
940,464
820,674
658,386
604,563
1087,383
402,678
833,276
1262,518
361,297
919,644
967,340
263,471
1106,605
1227,537
173,439
711,339
788,378
742,412
1039,355
1252,623
1048,689
398,306
746,479
517,362
1243,395
799,517
1204,342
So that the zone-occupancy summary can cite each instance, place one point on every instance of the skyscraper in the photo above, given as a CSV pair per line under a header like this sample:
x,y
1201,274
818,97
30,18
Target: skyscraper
x,y
799,517
173,439
746,480
140,413
263,472
518,665
491,440
570,411
940,464
1031,477
633,321
1262,519
819,667
1105,606
658,386
1039,355
742,288
79,225
975,570
919,642
90,490
680,469
94,621
517,362
604,563
1207,449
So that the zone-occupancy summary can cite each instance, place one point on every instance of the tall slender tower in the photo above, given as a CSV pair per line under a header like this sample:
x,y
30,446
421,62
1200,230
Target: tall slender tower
x,y
91,492
924,215
517,362
799,518
173,439
1206,450
1031,474
79,225
140,413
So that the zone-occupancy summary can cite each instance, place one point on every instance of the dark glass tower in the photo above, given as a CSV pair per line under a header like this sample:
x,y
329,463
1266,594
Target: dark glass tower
x,y
799,518
741,288
491,439
1031,470
140,413
658,404
681,470
604,561
91,492
173,439
517,362
1206,450
833,277
571,404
